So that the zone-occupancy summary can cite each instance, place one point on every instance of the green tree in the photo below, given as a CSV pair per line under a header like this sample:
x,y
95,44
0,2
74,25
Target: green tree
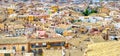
x,y
88,11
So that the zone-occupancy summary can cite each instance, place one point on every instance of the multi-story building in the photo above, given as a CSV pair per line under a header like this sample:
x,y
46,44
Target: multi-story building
x,y
21,45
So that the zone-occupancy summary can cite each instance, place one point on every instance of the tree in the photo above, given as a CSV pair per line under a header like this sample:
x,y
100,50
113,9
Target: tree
x,y
89,11
86,12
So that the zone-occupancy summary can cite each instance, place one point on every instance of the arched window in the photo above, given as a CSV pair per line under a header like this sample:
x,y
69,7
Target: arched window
x,y
14,48
4,48
23,48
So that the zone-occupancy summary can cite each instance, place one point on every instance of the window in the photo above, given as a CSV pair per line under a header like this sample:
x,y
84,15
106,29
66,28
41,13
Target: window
x,y
40,51
56,44
44,44
4,48
23,48
14,48
32,45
